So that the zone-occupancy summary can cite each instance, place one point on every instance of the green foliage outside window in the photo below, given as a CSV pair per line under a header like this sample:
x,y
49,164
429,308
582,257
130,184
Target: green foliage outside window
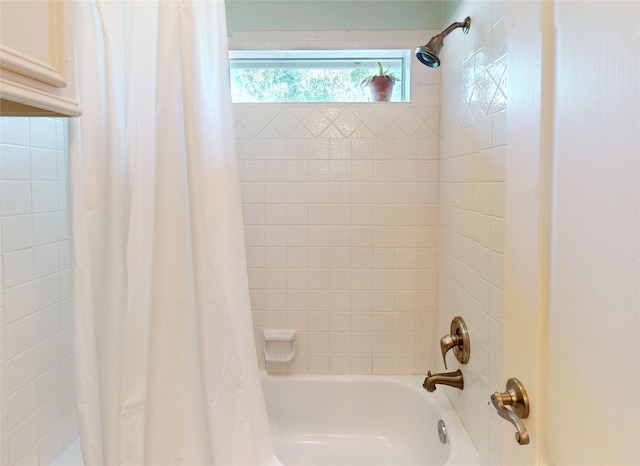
x,y
302,85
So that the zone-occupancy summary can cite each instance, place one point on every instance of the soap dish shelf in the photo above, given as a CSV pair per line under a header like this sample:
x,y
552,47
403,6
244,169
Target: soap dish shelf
x,y
279,345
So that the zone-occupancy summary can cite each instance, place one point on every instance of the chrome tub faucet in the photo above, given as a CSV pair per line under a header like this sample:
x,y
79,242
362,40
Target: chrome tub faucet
x,y
452,379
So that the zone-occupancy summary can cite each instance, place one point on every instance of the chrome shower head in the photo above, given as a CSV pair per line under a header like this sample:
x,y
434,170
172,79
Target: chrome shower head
x,y
428,53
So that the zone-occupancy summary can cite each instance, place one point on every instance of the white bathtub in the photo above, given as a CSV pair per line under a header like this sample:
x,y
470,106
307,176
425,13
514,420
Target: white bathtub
x,y
362,420
355,420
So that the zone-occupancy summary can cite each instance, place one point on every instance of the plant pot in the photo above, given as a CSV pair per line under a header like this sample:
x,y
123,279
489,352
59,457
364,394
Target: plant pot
x,y
381,88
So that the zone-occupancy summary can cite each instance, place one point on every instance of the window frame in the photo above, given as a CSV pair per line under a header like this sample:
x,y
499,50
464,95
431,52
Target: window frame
x,y
347,58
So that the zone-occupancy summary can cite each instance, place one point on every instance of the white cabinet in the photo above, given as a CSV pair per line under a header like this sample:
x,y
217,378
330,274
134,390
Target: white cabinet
x,y
37,58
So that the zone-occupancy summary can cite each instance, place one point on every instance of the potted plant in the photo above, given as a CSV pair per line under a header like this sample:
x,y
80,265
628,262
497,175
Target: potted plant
x,y
381,84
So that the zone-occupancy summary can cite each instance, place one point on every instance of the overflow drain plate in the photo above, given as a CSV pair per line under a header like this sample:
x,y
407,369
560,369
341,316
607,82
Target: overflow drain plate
x,y
442,431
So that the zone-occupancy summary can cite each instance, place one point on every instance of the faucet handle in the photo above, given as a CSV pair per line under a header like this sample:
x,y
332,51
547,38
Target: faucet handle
x,y
518,401
446,343
458,339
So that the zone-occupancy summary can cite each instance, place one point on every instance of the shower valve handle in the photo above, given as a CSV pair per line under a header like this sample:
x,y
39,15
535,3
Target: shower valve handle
x,y
458,340
517,400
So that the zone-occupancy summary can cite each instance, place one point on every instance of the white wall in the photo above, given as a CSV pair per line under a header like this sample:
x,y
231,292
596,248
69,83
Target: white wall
x,y
594,316
344,15
37,393
470,254
340,204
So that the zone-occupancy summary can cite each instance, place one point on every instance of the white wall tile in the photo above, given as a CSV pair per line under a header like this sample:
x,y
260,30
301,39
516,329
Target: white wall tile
x,y
63,225
16,197
63,196
18,268
66,372
14,162
4,447
45,260
47,385
44,164
471,197
43,133
14,131
36,322
45,228
46,291
17,233
18,301
44,196
48,416
19,371
19,336
20,405
66,313
22,441
47,322
365,224
47,353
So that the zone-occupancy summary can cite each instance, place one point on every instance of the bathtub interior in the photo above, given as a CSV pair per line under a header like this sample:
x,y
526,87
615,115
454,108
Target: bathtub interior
x,y
361,420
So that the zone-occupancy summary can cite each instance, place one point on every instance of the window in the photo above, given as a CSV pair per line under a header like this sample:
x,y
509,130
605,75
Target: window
x,y
313,75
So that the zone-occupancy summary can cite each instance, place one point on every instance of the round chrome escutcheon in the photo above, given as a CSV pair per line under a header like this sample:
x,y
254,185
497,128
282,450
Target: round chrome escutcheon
x,y
442,431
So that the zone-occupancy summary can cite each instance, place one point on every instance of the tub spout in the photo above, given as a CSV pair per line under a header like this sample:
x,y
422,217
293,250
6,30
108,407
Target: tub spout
x,y
452,379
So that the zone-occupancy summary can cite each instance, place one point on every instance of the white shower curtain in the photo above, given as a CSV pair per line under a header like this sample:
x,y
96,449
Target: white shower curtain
x,y
166,365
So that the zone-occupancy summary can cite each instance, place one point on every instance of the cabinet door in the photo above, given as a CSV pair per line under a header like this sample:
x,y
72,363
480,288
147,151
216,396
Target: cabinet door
x,y
36,58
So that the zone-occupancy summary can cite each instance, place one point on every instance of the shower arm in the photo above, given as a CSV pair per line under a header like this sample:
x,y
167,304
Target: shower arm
x,y
464,25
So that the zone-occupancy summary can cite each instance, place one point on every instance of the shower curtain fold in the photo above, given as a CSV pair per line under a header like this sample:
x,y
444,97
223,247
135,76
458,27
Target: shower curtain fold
x,y
165,353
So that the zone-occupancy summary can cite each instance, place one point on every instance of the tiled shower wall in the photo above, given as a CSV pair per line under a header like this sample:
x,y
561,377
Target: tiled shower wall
x,y
341,213
36,392
470,273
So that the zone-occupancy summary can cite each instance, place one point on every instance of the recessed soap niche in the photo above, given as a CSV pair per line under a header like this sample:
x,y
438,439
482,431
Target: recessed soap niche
x,y
279,345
